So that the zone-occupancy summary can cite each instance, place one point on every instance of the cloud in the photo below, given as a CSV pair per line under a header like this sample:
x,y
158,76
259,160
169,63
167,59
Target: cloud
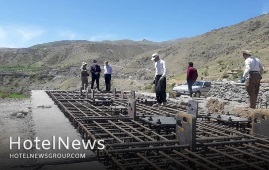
x,y
101,37
264,12
265,8
68,35
27,34
2,34
23,36
17,36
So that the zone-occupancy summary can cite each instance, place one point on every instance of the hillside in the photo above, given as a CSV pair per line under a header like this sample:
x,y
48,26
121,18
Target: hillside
x,y
211,53
71,53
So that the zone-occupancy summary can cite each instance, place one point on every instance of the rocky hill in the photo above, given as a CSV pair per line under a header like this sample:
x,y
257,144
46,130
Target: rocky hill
x,y
211,53
72,53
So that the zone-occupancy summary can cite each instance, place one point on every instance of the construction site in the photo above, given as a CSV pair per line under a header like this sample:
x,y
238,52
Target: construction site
x,y
178,135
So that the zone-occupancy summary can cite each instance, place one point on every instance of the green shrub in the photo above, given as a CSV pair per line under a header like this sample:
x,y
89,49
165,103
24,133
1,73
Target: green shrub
x,y
4,95
17,95
12,95
150,87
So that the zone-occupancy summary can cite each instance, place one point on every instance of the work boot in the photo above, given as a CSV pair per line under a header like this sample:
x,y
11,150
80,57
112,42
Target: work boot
x,y
164,103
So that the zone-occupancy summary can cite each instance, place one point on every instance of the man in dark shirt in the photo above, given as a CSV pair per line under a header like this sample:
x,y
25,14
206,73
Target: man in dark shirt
x,y
192,76
95,70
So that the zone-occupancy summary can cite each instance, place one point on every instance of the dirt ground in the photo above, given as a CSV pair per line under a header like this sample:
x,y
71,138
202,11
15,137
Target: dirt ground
x,y
12,125
218,106
215,105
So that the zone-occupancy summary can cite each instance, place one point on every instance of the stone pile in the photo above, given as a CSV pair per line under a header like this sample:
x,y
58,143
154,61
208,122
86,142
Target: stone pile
x,y
232,91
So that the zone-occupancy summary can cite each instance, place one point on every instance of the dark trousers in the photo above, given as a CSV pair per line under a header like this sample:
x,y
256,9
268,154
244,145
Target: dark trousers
x,y
160,89
107,81
253,87
95,78
190,83
84,82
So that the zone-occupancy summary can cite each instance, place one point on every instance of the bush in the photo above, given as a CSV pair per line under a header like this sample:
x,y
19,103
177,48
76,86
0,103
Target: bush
x,y
225,75
39,77
4,95
149,87
238,74
205,73
170,87
220,62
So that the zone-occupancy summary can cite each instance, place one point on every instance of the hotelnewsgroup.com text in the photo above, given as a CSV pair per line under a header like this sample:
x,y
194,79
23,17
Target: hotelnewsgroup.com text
x,y
47,155
57,143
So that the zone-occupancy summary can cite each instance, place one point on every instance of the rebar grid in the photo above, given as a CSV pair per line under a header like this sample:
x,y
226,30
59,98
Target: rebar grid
x,y
135,144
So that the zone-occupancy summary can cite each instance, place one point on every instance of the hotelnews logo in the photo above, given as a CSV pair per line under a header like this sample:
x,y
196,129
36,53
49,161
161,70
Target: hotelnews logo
x,y
57,143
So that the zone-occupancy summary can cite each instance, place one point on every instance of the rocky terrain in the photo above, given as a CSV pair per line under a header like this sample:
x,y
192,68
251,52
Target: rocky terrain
x,y
232,91
15,120
232,98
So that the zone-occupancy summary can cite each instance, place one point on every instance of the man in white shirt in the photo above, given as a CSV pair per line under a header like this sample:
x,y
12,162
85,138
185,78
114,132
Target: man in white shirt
x,y
107,75
160,79
252,74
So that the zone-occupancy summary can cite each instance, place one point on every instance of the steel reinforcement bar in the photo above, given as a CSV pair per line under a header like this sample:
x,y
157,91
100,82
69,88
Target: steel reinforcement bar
x,y
136,144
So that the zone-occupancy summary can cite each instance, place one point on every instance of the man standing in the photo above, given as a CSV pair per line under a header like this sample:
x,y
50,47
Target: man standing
x,y
252,75
95,70
84,76
160,79
107,75
192,76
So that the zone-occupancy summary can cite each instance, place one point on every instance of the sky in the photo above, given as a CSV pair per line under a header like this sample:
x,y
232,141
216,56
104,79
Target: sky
x,y
24,23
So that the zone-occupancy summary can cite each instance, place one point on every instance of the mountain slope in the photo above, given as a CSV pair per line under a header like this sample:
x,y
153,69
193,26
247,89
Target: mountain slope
x,y
214,50
71,53
211,53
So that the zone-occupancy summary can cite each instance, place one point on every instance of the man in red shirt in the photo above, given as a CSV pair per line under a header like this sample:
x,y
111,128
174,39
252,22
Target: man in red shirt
x,y
192,76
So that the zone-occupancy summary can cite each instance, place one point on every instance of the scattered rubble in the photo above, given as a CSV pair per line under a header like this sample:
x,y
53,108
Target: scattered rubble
x,y
232,91
44,106
232,98
215,105
21,113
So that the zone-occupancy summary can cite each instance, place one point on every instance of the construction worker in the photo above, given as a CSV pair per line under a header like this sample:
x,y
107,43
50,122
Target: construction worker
x,y
252,75
84,75
160,79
